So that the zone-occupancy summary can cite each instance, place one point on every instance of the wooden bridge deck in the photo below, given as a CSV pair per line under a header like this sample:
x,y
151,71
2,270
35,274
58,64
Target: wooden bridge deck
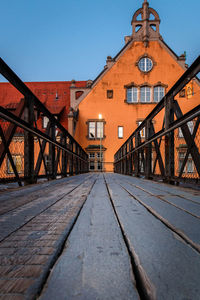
x,y
100,236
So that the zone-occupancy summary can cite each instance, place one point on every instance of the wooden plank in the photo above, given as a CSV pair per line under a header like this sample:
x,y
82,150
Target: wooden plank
x,y
95,262
27,255
169,268
20,208
184,223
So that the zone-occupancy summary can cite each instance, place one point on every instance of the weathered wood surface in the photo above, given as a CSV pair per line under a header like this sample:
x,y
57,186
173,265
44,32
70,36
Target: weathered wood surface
x,y
95,263
101,236
169,267
33,233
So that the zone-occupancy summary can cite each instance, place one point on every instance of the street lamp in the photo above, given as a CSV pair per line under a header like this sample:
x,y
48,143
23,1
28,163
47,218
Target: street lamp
x,y
100,118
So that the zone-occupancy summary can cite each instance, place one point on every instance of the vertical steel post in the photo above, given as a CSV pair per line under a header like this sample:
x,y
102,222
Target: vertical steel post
x,y
169,141
29,143
64,156
137,154
71,161
148,151
52,152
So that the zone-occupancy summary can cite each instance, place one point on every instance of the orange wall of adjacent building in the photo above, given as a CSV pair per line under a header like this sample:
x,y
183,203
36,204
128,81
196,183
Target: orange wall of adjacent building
x,y
115,111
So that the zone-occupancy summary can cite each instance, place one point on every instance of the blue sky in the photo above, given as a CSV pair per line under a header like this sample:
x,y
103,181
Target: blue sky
x,y
58,40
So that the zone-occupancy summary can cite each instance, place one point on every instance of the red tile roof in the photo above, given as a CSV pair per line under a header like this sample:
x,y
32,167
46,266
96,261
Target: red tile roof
x,y
51,93
55,109
54,95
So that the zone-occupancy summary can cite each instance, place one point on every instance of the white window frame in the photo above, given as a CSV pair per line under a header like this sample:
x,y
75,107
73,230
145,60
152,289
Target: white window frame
x,y
142,132
92,162
99,130
181,158
19,169
158,92
99,156
147,91
190,126
95,130
132,94
120,132
92,130
92,155
45,121
145,64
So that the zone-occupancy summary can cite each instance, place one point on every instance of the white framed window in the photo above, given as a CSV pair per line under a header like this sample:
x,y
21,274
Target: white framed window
x,y
99,155
159,93
142,132
91,155
45,122
190,126
92,165
95,130
120,132
145,64
189,167
132,94
92,130
145,94
141,163
99,130
17,159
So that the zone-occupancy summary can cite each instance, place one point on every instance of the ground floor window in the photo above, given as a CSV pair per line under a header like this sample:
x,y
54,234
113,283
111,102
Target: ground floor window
x,y
96,161
17,159
189,167
92,165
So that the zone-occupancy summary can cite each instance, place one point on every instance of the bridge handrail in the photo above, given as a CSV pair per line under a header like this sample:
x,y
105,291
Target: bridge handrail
x,y
172,108
75,159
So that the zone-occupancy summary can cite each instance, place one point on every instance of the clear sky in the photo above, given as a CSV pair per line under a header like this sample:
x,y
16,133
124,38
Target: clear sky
x,y
58,40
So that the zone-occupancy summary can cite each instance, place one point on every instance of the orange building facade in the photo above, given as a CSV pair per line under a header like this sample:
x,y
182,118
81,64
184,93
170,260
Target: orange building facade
x,y
128,88
103,113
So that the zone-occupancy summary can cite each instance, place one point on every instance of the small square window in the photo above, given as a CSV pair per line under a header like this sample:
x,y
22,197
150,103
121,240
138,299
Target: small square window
x,y
110,94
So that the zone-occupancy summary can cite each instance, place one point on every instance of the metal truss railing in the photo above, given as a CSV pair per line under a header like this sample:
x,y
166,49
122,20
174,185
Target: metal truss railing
x,y
26,151
166,145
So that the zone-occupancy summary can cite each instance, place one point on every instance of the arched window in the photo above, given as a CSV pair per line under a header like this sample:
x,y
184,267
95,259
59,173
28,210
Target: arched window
x,y
159,93
145,94
132,94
